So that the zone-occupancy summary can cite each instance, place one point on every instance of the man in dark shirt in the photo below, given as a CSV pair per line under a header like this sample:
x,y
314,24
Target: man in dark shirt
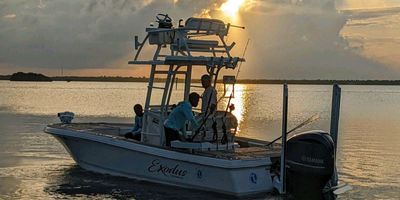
x,y
137,127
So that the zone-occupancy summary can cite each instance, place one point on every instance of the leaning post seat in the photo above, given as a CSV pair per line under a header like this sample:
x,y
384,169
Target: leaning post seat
x,y
160,36
195,45
227,62
206,26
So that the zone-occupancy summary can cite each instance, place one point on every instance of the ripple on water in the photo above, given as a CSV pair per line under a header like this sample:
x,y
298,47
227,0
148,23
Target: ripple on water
x,y
33,165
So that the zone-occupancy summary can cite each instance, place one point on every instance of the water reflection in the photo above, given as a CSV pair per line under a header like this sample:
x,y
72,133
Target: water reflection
x,y
34,165
76,182
73,181
239,99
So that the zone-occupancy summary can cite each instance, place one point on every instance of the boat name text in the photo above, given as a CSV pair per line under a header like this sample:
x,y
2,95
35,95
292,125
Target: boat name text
x,y
157,167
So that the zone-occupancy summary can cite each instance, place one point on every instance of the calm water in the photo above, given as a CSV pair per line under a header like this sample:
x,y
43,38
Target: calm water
x,y
35,165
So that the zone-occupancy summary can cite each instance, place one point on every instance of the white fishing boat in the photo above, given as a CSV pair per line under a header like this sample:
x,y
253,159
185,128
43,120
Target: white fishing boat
x,y
213,158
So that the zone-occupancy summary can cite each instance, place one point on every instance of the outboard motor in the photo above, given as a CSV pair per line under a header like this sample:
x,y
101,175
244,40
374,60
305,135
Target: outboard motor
x,y
310,164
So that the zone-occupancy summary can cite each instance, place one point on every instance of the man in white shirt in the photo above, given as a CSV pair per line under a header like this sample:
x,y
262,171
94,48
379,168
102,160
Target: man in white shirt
x,y
209,97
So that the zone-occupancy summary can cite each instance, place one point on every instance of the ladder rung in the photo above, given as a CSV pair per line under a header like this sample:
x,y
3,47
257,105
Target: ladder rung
x,y
155,87
161,72
196,86
207,50
166,72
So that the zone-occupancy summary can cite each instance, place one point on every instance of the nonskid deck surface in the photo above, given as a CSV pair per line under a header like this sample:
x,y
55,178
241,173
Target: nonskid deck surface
x,y
248,153
113,129
245,152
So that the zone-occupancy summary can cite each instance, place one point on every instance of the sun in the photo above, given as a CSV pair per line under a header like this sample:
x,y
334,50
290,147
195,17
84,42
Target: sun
x,y
231,7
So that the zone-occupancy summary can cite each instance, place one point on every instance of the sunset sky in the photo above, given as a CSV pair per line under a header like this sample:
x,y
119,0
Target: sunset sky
x,y
291,39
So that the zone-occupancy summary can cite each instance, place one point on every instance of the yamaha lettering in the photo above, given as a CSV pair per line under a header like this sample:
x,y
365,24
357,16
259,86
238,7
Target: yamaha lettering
x,y
312,160
157,167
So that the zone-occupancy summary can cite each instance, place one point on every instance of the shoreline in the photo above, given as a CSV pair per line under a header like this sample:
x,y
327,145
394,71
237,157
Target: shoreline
x,y
240,81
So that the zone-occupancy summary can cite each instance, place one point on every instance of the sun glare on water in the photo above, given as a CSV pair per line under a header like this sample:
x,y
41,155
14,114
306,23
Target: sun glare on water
x,y
231,7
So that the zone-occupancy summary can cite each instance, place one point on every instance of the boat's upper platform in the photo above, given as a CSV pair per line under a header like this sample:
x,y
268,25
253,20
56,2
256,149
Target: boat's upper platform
x,y
228,62
249,149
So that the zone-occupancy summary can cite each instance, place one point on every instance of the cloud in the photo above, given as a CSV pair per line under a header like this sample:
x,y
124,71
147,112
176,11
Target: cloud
x,y
366,4
10,16
289,38
374,34
78,34
302,39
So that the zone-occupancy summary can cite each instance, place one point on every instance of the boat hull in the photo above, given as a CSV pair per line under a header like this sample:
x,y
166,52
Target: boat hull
x,y
108,155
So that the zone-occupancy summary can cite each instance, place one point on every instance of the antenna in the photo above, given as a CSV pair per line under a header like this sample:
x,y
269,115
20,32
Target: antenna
x,y
244,53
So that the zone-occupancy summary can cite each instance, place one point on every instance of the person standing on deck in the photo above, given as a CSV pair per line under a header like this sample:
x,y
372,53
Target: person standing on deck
x,y
176,121
209,97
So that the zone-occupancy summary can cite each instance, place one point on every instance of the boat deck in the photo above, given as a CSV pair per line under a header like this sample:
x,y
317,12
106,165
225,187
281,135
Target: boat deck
x,y
249,149
247,153
113,129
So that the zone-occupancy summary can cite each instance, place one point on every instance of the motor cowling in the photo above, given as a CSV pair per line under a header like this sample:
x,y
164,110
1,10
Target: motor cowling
x,y
309,164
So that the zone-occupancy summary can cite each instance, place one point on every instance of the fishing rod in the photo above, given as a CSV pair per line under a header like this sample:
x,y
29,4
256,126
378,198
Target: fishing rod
x,y
237,75
230,97
241,62
207,114
225,137
309,120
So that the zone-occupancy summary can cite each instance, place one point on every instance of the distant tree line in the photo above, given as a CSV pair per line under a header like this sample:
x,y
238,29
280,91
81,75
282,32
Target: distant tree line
x,y
20,76
100,78
321,82
5,77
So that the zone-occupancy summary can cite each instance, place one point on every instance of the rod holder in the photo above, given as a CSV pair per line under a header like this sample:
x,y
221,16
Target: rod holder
x,y
137,43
